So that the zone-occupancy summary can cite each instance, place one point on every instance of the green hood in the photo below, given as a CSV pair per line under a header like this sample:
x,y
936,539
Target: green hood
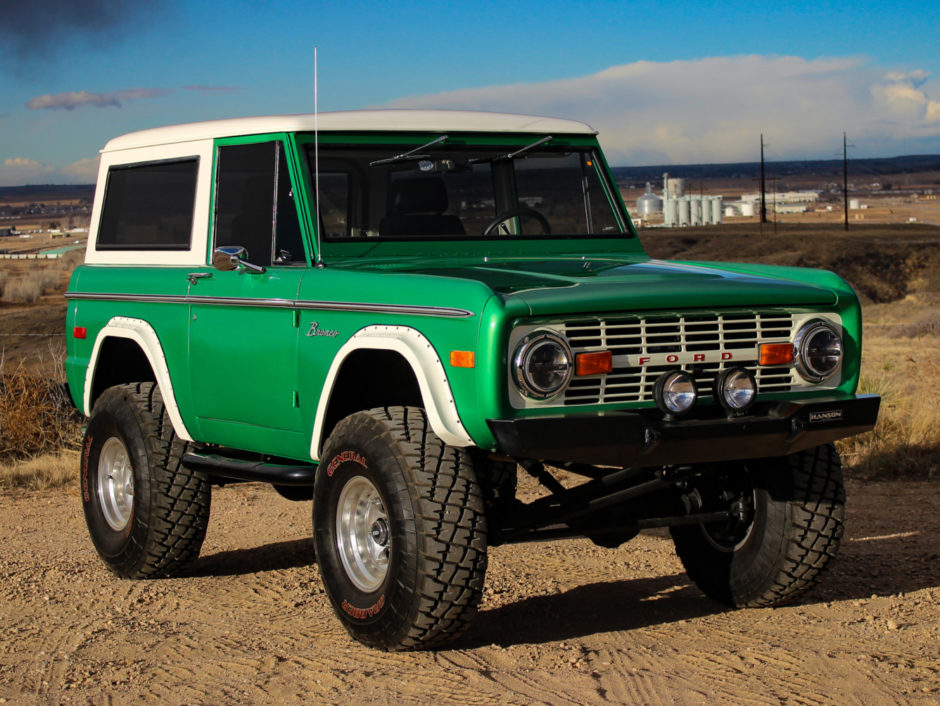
x,y
572,285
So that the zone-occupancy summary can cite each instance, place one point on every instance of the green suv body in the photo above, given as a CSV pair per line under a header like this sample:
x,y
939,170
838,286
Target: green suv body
x,y
394,312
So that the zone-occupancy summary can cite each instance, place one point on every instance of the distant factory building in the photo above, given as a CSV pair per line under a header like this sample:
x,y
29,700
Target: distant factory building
x,y
805,197
779,202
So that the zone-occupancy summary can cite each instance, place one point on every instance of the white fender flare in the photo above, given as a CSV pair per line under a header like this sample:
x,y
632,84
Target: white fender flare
x,y
143,334
428,369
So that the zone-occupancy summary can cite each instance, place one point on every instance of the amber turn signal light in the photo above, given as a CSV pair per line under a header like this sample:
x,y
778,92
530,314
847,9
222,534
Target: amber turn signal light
x,y
776,353
594,363
461,359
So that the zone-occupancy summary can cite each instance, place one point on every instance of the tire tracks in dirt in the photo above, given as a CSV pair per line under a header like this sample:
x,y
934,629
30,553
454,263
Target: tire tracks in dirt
x,y
560,622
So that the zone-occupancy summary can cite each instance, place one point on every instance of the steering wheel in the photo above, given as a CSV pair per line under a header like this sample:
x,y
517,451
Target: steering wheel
x,y
518,213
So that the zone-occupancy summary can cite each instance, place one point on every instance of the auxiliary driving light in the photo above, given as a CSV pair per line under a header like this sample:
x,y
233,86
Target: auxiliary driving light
x,y
736,390
675,393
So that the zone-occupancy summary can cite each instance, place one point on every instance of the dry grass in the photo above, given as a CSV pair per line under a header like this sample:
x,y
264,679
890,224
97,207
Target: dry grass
x,y
25,281
36,415
906,440
39,428
53,470
20,290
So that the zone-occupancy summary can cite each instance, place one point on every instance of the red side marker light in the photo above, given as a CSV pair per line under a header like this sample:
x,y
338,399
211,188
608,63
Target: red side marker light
x,y
596,363
776,353
80,332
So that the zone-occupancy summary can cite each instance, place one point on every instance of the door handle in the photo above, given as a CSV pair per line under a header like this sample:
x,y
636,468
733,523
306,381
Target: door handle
x,y
194,277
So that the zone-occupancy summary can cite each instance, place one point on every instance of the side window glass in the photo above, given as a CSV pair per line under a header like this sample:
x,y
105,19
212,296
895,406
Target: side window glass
x,y
288,243
149,206
334,205
255,204
602,211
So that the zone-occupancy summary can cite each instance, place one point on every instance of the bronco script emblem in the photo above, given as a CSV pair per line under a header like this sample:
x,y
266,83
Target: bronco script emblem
x,y
315,330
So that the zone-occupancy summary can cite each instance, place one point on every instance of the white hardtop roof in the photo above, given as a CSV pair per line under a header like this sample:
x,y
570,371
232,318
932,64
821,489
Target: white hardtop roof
x,y
352,121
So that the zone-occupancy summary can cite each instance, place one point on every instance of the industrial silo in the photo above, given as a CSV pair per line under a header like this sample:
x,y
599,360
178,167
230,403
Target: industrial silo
x,y
674,187
649,203
695,204
671,212
685,215
716,210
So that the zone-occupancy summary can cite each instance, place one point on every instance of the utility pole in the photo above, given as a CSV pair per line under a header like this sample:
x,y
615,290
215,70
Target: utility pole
x,y
763,185
773,186
845,179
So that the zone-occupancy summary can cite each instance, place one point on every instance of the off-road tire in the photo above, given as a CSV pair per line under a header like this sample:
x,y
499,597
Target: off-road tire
x,y
430,526
797,524
161,528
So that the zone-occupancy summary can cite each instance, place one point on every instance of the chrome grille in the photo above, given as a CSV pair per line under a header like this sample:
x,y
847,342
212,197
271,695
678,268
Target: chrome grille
x,y
645,347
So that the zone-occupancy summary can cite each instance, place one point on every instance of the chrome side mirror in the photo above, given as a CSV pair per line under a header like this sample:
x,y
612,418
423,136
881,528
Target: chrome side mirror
x,y
232,257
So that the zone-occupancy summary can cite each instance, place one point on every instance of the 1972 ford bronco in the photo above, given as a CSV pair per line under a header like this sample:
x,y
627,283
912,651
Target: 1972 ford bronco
x,y
395,312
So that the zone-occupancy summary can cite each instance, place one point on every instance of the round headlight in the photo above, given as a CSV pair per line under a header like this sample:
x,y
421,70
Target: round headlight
x,y
543,364
818,351
735,389
675,393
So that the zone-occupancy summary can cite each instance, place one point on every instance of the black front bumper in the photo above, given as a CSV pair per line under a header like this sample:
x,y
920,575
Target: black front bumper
x,y
642,438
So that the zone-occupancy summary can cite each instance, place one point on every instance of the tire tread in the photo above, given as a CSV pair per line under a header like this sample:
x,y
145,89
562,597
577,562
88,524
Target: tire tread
x,y
451,527
801,540
180,497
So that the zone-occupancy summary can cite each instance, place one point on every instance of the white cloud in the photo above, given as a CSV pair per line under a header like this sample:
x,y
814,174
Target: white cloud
x,y
713,109
84,171
16,171
78,99
933,112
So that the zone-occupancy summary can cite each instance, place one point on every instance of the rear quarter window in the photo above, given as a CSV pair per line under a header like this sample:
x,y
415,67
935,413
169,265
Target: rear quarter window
x,y
149,206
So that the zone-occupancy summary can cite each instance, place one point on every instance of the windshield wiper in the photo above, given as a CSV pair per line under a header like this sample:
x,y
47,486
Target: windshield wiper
x,y
410,154
511,155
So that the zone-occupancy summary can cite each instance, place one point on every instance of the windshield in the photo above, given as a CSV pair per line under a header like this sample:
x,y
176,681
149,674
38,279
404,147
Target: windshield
x,y
443,191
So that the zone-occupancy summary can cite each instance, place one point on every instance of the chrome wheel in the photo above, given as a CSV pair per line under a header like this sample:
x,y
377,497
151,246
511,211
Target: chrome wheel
x,y
363,535
115,484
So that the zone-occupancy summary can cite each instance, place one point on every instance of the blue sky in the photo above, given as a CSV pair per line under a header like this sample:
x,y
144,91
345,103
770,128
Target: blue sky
x,y
664,82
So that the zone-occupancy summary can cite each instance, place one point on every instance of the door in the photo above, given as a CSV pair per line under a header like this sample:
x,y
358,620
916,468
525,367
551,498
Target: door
x,y
243,324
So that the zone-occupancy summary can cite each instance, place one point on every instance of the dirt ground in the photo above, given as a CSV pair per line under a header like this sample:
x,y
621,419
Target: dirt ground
x,y
561,622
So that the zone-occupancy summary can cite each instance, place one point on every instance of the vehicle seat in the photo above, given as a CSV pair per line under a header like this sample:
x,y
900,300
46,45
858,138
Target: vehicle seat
x,y
416,207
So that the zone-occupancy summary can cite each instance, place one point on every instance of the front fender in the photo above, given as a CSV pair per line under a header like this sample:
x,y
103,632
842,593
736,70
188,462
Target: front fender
x,y
428,369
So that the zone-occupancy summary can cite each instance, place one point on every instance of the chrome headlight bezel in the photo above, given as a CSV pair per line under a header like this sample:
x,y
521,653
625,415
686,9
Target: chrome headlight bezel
x,y
805,355
523,360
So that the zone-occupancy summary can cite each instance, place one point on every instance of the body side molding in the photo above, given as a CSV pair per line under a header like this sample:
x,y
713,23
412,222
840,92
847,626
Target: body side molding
x,y
302,304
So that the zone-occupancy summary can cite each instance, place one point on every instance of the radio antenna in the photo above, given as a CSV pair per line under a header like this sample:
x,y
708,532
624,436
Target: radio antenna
x,y
316,159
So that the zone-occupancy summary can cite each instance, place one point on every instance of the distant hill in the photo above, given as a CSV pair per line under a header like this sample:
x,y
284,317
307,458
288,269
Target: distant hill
x,y
46,192
829,168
